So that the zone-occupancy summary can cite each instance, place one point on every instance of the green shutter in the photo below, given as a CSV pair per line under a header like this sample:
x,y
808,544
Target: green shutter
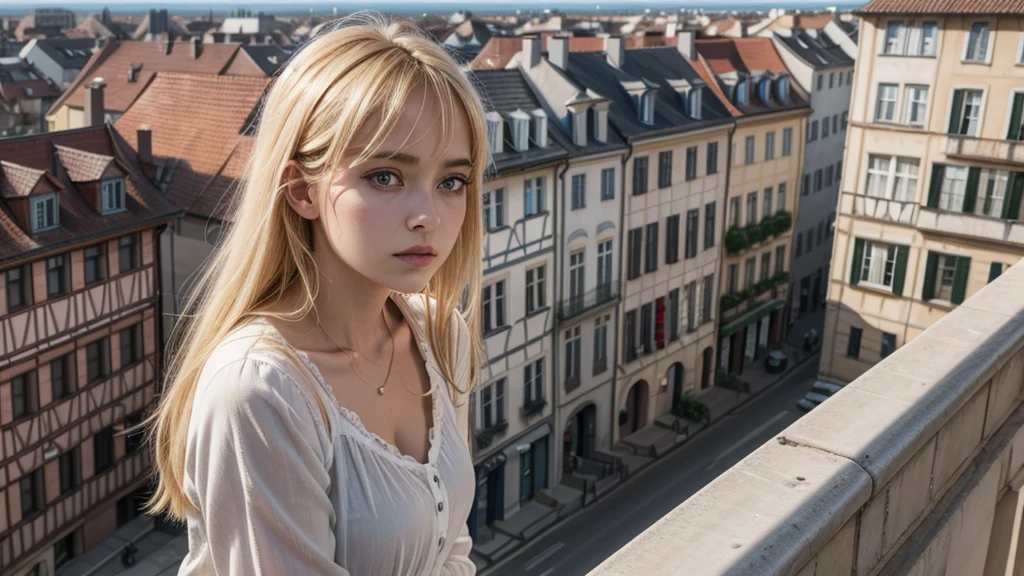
x,y
1018,105
954,113
901,270
929,277
971,194
963,268
995,270
938,172
858,259
1011,209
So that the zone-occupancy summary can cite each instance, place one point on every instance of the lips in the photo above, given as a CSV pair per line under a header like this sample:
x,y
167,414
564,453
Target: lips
x,y
417,256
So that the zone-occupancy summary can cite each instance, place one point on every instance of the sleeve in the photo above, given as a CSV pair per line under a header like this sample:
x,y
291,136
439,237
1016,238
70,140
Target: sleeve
x,y
458,562
259,476
463,346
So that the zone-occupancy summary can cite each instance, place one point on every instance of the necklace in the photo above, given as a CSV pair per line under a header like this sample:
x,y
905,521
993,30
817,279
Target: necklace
x,y
391,363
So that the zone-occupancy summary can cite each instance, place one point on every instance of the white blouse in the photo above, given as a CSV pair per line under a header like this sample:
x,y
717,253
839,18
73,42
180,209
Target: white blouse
x,y
278,494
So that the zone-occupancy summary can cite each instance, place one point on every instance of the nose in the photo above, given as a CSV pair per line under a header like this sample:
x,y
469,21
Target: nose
x,y
423,215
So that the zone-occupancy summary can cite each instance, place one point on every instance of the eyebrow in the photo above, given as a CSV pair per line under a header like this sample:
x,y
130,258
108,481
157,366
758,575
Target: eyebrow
x,y
409,159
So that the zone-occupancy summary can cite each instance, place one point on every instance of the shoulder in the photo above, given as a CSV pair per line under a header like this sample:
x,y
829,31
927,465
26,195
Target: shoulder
x,y
418,304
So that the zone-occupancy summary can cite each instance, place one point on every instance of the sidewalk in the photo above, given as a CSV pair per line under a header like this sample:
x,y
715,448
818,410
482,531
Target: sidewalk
x,y
637,451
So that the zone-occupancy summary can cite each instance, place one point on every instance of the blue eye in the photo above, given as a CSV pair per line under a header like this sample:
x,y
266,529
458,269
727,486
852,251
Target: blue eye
x,y
384,179
454,184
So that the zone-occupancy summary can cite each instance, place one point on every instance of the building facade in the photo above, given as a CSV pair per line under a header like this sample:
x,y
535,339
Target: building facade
x,y
930,209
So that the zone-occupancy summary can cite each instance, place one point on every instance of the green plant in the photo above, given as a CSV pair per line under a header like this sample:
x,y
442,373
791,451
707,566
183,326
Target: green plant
x,y
732,300
735,240
781,278
781,222
755,233
689,408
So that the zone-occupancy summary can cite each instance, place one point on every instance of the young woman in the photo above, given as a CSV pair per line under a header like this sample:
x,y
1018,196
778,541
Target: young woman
x,y
316,418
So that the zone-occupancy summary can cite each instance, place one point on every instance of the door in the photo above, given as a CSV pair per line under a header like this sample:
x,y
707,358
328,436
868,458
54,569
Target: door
x,y
705,375
675,379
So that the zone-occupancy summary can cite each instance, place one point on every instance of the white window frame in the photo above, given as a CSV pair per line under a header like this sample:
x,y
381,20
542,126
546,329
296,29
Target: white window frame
x,y
749,150
694,102
573,349
536,279
578,200
577,273
987,57
647,107
893,45
605,262
494,305
879,102
534,200
607,184
878,263
601,324
913,97
949,199
940,267
492,405
39,203
495,132
897,185
769,146
112,191
491,201
539,122
963,111
1000,188
1019,60
533,381
521,134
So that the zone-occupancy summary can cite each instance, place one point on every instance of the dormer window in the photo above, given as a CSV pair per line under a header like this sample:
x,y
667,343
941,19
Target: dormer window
x,y
764,91
520,130
45,215
495,132
579,128
540,128
113,195
694,102
782,88
599,120
647,107
741,93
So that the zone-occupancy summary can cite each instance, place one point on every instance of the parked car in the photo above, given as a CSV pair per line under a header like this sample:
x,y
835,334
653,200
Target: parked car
x,y
775,362
821,390
812,399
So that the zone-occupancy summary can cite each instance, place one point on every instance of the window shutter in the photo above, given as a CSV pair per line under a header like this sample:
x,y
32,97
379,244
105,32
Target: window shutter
x,y
938,172
1011,209
955,111
971,194
995,271
901,270
963,268
929,277
1015,117
858,260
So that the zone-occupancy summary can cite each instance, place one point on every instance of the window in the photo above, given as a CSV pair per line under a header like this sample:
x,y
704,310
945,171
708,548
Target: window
x,y
60,377
828,175
70,465
665,169
577,277
97,361
31,488
493,306
494,209
733,278
651,254
113,195
888,344
766,265
103,450
839,170
709,225
694,102
673,315
846,116
750,268
885,105
787,141
647,328
749,154
601,343
780,259
707,305
812,133
928,32
901,174
630,339
944,277
56,276
691,163
659,323
824,128
954,185
45,215
604,267
692,232
536,295
647,107
991,192
1015,131
769,146
639,175
977,43
917,102
579,191
635,246
893,38
835,122
766,204
95,264
734,212
806,187
853,346
128,252
751,208
534,196
878,266
131,345
817,180
492,404
781,195
965,113
995,270
691,306
712,159
533,382
608,184
672,239
24,395
831,80
821,82
19,287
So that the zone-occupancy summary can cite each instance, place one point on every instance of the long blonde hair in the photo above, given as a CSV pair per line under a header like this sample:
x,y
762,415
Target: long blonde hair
x,y
363,67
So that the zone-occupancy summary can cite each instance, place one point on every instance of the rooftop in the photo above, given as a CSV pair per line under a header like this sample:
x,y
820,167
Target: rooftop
x,y
951,7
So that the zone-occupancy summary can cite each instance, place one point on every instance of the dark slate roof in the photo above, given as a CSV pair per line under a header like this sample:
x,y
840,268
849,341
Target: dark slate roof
x,y
269,57
817,50
68,54
656,65
506,91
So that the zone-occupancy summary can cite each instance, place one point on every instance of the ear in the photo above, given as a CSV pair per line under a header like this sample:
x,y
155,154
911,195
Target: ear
x,y
298,192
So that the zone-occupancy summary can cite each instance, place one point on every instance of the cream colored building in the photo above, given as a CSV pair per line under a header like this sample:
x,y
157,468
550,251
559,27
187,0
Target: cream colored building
x,y
930,205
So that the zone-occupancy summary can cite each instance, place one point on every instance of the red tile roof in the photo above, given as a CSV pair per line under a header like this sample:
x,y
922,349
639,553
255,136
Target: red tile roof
x,y
113,62
215,199
28,89
813,21
1015,7
196,121
83,166
19,181
741,55
700,66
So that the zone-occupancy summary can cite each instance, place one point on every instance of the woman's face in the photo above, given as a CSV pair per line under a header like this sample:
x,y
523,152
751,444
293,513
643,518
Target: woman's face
x,y
395,218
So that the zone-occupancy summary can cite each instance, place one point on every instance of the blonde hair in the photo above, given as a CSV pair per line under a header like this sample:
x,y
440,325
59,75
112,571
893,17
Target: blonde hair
x,y
363,67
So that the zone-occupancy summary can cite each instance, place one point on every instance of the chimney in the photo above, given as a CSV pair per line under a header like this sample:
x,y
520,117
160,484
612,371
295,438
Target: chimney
x,y
615,49
686,44
94,115
145,138
197,47
558,51
133,72
671,29
744,29
531,49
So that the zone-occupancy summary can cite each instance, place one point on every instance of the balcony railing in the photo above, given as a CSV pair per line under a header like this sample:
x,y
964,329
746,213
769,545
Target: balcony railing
x,y
916,467
999,151
575,305
739,239
738,302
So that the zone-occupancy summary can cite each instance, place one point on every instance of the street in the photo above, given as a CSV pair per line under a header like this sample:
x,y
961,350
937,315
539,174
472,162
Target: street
x,y
582,542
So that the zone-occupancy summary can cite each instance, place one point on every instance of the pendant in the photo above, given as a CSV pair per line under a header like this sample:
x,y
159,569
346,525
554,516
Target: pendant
x,y
380,390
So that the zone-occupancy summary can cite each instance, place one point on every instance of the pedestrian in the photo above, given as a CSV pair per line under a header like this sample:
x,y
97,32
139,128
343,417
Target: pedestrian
x,y
315,418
